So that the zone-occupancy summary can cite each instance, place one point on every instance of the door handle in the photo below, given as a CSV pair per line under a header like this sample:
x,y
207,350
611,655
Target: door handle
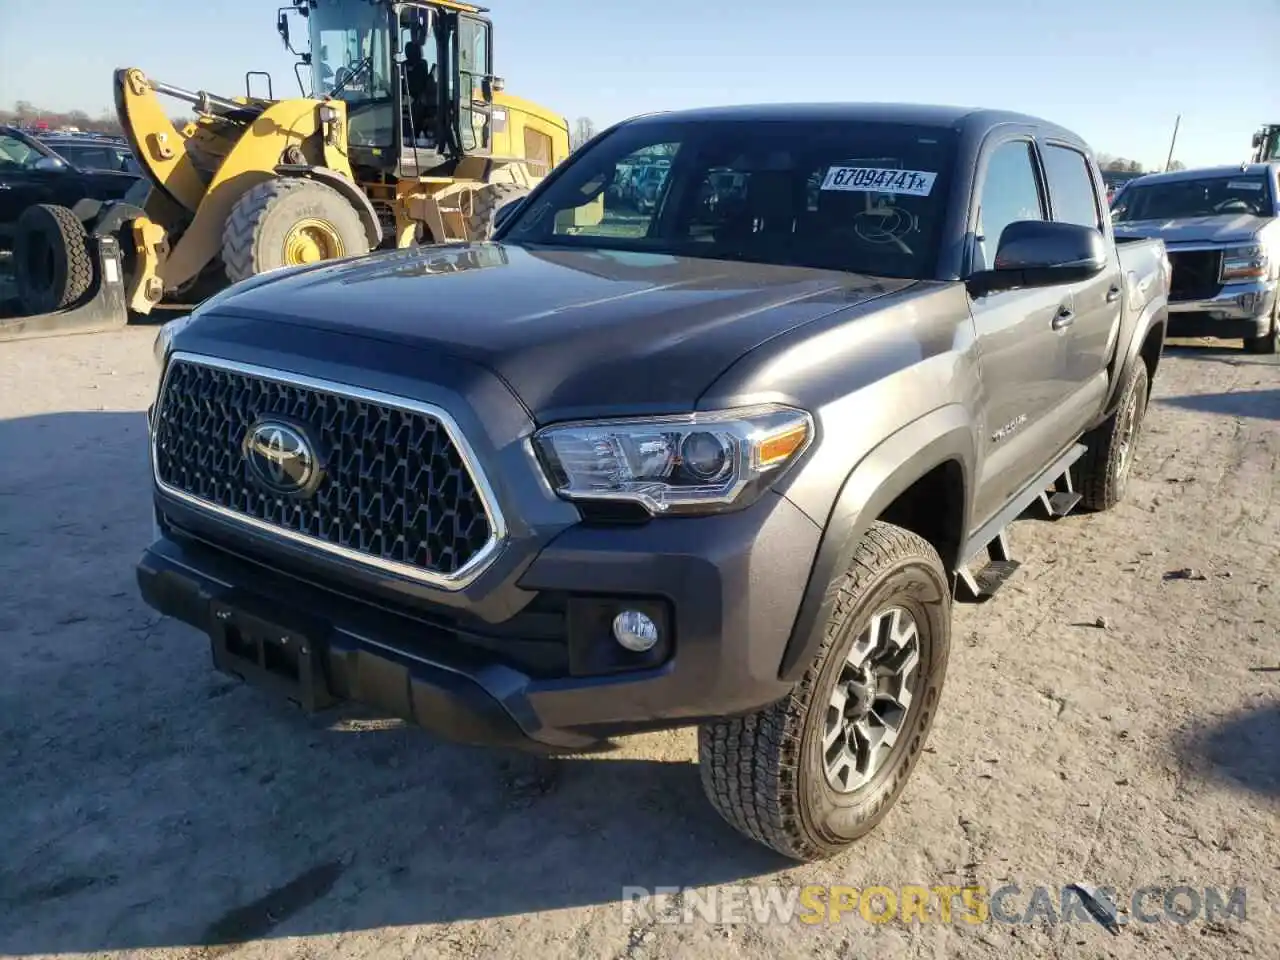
x,y
1113,294
1063,319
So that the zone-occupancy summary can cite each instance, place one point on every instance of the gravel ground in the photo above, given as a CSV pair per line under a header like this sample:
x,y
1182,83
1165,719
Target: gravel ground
x,y
153,808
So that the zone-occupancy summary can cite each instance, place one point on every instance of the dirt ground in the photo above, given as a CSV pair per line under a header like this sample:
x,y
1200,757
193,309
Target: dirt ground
x,y
152,808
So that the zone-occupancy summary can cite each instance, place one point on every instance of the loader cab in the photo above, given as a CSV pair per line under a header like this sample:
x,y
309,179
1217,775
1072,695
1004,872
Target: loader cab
x,y
416,79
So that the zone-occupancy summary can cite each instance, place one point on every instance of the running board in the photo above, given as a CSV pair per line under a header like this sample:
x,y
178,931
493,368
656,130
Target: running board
x,y
981,586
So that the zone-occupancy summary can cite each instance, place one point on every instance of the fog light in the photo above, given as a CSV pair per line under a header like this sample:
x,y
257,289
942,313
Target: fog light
x,y
635,631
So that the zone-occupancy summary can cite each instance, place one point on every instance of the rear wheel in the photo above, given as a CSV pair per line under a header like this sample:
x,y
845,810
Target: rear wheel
x,y
486,202
811,774
53,267
1110,448
289,222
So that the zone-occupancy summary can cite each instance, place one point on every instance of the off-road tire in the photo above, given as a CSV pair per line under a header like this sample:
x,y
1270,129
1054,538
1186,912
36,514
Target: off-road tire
x,y
254,234
485,204
1104,469
51,259
764,772
1268,343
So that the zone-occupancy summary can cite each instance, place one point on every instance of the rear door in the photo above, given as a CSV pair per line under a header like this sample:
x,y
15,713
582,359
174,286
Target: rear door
x,y
1096,304
475,84
1021,353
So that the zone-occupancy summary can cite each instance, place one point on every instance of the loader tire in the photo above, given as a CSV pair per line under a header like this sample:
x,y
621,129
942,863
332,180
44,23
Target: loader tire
x,y
286,222
487,201
51,259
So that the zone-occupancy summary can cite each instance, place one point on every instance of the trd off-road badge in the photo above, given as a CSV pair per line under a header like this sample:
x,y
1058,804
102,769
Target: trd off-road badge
x,y
281,457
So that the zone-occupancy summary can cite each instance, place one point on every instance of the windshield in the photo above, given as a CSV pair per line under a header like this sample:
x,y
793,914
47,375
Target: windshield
x,y
351,53
1207,197
862,197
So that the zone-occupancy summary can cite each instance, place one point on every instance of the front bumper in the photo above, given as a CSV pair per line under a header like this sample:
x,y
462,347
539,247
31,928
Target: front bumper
x,y
724,589
1237,310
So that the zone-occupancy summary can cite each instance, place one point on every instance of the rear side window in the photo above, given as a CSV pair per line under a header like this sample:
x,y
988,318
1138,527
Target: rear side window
x,y
1071,187
1009,193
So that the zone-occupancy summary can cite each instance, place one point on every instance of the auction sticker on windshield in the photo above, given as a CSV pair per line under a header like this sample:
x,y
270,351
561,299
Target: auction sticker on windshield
x,y
1244,185
915,183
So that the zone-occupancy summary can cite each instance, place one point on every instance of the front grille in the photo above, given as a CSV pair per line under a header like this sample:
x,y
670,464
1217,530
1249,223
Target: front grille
x,y
394,489
1195,274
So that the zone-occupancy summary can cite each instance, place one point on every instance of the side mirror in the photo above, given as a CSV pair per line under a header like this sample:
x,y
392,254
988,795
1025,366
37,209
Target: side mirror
x,y
49,163
282,27
1042,253
506,212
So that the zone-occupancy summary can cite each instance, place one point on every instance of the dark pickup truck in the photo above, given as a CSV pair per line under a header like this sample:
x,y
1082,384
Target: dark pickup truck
x,y
727,462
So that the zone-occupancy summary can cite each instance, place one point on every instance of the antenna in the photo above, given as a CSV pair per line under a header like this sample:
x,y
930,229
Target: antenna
x,y
1169,162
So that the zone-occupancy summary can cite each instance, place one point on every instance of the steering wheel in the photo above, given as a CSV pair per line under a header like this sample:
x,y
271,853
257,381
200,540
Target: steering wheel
x,y
340,77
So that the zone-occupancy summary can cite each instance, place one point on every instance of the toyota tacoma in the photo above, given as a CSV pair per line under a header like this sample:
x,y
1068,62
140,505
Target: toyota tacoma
x,y
725,463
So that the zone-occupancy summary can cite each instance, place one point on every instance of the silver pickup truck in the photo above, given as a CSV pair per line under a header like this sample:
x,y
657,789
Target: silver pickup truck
x,y
1221,226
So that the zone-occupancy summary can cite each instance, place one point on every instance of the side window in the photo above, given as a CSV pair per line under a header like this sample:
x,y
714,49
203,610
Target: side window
x,y
15,153
1071,187
1009,193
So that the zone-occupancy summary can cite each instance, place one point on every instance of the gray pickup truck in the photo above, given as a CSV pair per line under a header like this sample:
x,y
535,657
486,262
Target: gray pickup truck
x,y
726,463
1221,226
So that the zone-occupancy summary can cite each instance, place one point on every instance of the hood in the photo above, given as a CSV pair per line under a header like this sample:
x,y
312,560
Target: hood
x,y
1226,228
571,332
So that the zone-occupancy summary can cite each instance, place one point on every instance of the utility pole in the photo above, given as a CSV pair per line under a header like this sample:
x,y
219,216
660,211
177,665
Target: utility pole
x,y
1169,162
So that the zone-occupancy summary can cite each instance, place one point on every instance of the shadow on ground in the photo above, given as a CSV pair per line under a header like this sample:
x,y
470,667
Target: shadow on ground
x,y
1218,351
1253,404
1242,750
150,801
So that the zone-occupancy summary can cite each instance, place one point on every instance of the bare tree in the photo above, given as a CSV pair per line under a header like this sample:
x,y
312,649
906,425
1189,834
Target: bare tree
x,y
583,130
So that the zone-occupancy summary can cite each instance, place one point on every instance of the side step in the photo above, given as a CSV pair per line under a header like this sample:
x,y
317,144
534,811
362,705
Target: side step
x,y
1063,499
981,586
1000,566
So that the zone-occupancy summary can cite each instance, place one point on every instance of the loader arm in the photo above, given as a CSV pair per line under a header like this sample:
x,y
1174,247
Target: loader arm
x,y
160,148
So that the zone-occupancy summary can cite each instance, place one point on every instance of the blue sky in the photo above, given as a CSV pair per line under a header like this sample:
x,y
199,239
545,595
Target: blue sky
x,y
1116,72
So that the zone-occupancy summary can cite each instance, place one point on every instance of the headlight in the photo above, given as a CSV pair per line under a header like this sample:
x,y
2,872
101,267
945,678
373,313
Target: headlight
x,y
1244,263
164,338
694,463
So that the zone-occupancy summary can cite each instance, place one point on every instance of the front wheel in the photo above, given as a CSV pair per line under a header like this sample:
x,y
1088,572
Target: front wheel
x,y
811,774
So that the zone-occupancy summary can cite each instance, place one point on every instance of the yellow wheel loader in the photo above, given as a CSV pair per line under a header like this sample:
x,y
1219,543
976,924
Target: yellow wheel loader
x,y
404,136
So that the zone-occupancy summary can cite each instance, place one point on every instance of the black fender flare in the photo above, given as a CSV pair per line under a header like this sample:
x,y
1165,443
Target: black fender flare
x,y
1155,314
353,193
879,478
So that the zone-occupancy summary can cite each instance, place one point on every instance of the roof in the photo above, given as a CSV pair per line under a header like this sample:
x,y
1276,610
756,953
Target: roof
x,y
928,115
1201,173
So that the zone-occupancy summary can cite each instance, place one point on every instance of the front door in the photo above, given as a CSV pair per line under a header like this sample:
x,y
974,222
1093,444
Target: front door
x,y
1021,347
475,89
